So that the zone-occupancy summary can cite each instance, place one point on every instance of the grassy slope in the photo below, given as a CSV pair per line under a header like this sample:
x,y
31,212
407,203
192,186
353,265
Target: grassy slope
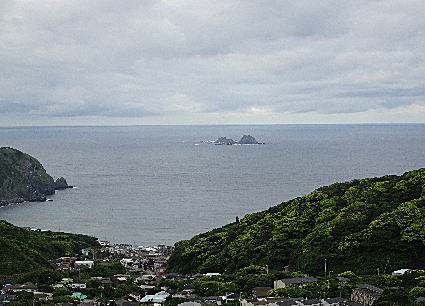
x,y
359,225
22,250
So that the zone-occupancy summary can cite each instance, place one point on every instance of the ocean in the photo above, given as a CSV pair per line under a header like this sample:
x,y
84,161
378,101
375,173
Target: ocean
x,y
149,185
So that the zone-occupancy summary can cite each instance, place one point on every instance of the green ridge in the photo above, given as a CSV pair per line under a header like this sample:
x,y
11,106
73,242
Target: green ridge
x,y
360,225
24,250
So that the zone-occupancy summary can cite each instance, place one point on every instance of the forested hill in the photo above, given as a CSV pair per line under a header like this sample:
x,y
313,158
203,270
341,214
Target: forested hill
x,y
23,250
360,225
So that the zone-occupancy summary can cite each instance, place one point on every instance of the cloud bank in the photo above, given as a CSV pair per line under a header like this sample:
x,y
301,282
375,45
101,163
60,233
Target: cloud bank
x,y
195,61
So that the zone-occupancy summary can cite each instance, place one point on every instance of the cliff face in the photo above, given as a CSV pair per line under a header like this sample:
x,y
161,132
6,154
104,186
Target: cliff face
x,y
23,178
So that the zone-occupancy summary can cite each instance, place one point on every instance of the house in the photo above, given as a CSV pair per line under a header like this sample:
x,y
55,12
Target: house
x,y
270,301
310,302
172,276
78,295
43,296
127,301
77,285
66,280
153,299
146,287
147,278
332,301
121,277
212,274
87,302
27,287
366,294
103,243
64,263
83,264
300,281
58,286
260,291
127,262
7,298
232,297
400,272
190,304
215,300
285,303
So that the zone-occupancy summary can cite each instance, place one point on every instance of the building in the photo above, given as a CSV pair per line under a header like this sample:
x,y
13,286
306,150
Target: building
x,y
43,296
27,287
77,286
300,281
155,300
83,264
260,291
400,272
366,294
272,301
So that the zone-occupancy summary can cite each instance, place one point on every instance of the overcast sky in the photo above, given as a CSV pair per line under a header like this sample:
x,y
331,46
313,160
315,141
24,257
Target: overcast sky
x,y
67,62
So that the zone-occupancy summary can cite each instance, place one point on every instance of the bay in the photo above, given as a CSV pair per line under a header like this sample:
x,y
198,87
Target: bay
x,y
150,185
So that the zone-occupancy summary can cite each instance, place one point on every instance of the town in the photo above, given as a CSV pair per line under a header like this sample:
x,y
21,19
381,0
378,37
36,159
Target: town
x,y
127,275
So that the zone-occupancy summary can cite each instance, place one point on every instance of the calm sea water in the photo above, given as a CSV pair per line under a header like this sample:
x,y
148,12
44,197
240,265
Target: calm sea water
x,y
153,185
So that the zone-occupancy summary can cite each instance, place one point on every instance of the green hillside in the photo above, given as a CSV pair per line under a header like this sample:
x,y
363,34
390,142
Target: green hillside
x,y
22,177
23,250
360,225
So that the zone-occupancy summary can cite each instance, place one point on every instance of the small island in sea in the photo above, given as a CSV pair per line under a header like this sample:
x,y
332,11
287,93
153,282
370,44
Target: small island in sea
x,y
245,140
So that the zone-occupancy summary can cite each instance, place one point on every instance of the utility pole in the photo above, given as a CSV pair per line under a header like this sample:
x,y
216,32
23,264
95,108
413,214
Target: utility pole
x,y
326,267
267,269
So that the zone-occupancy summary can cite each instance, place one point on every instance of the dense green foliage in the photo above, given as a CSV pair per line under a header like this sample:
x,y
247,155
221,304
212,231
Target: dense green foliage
x,y
360,225
23,250
243,280
21,175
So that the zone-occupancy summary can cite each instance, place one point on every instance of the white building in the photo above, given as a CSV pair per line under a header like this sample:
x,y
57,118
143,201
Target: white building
x,y
82,264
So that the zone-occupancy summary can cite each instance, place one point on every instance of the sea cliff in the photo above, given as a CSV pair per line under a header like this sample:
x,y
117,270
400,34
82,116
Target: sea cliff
x,y
23,178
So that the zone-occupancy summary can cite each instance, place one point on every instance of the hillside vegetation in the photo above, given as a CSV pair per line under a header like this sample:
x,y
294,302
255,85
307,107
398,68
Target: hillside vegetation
x,y
360,225
24,250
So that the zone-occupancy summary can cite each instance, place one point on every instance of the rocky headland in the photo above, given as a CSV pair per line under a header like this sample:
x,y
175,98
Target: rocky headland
x,y
23,178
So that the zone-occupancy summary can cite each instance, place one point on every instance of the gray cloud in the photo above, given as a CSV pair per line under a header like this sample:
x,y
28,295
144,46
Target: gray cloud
x,y
185,58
